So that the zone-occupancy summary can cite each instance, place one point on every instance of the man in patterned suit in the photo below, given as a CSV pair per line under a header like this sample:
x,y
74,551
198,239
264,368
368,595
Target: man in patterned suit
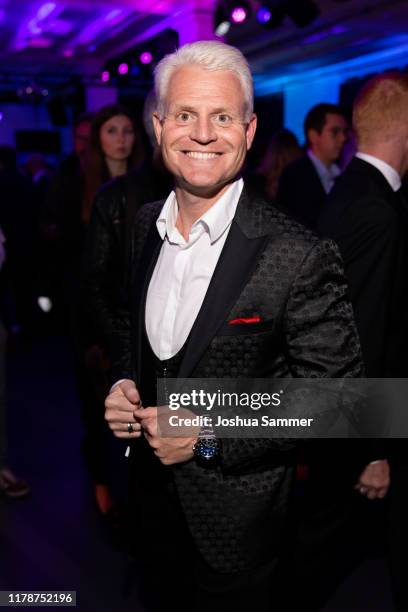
x,y
224,286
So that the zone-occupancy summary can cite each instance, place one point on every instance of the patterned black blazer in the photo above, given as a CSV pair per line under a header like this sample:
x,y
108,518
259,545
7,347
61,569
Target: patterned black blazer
x,y
273,269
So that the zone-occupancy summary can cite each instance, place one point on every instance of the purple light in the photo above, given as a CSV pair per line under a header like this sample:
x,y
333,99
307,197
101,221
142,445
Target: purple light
x,y
113,14
263,15
1,116
45,10
146,57
239,14
68,53
123,69
338,29
105,76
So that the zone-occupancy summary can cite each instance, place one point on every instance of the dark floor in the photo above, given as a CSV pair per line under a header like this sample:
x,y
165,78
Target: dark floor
x,y
54,540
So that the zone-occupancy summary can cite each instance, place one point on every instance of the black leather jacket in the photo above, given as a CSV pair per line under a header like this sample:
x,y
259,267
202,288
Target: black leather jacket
x,y
104,282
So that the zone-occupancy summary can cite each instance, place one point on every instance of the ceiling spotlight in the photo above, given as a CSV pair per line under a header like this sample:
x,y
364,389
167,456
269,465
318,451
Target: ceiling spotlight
x,y
105,76
270,14
222,23
263,15
240,12
123,69
146,57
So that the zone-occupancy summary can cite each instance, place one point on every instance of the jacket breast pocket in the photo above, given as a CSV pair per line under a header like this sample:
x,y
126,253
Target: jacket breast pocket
x,y
238,329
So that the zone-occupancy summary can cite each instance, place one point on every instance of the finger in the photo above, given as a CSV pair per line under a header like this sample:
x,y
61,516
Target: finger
x,y
152,441
145,413
115,402
124,427
127,436
130,391
372,494
150,428
119,416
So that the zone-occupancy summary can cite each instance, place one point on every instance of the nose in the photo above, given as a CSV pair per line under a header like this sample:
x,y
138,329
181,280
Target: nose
x,y
203,130
343,136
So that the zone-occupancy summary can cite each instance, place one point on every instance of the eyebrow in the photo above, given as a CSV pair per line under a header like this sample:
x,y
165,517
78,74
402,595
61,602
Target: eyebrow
x,y
191,109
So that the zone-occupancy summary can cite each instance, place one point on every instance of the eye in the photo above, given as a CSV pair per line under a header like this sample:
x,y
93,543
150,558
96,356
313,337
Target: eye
x,y
223,119
184,117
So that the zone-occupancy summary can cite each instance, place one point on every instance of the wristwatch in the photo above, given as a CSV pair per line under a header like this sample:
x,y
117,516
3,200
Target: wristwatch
x,y
207,450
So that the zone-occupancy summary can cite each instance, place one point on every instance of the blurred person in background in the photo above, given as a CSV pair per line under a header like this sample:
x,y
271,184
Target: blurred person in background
x,y
104,281
367,215
10,485
113,212
115,148
18,219
305,183
60,226
283,149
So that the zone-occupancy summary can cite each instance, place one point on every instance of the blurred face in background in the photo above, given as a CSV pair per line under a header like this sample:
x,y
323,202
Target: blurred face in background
x,y
117,138
328,144
82,134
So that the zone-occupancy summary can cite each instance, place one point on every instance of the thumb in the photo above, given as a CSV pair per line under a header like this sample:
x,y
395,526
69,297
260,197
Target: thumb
x,y
130,391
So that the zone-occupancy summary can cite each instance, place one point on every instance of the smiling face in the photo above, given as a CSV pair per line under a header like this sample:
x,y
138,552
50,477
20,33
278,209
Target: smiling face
x,y
117,137
203,136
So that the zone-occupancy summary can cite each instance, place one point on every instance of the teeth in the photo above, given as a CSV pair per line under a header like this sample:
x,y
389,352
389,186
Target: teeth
x,y
199,155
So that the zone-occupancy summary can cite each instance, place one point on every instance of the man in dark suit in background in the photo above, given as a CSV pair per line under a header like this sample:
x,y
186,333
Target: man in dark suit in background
x,y
305,183
223,286
368,217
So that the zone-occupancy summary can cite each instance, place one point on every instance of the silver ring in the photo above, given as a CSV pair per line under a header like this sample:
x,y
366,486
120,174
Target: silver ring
x,y
130,428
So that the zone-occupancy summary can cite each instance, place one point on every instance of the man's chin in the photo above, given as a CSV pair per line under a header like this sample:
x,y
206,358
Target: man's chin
x,y
205,191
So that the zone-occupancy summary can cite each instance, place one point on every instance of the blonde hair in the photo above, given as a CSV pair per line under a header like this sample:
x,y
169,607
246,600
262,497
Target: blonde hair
x,y
380,108
211,55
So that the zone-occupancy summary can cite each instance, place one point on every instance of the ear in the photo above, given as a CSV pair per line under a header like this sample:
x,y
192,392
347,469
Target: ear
x,y
250,131
312,136
158,127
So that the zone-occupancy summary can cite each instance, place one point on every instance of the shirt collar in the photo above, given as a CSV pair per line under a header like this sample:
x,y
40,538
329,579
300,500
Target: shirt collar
x,y
323,171
215,221
389,173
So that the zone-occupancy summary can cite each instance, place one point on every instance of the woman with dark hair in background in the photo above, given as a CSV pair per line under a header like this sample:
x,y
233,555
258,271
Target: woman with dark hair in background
x,y
104,264
283,148
115,148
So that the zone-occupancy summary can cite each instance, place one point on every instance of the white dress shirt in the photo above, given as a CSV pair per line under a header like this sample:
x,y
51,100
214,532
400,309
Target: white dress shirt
x,y
327,175
184,270
389,173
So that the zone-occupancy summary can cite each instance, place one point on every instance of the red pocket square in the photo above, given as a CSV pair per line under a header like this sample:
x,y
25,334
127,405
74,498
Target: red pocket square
x,y
245,320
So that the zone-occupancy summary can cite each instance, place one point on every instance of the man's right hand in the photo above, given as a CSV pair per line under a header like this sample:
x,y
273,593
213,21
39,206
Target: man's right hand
x,y
374,480
120,405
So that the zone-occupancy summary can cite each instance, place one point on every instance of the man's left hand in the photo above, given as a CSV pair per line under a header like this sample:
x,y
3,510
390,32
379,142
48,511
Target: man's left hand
x,y
374,481
169,450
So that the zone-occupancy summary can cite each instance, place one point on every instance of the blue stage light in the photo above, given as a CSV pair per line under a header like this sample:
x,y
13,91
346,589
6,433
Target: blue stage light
x,y
263,15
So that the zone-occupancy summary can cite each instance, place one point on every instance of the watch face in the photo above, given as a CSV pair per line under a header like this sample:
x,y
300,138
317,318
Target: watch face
x,y
206,448
208,453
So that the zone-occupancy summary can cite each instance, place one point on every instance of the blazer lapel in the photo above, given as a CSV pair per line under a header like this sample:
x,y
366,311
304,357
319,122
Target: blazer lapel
x,y
235,265
142,278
